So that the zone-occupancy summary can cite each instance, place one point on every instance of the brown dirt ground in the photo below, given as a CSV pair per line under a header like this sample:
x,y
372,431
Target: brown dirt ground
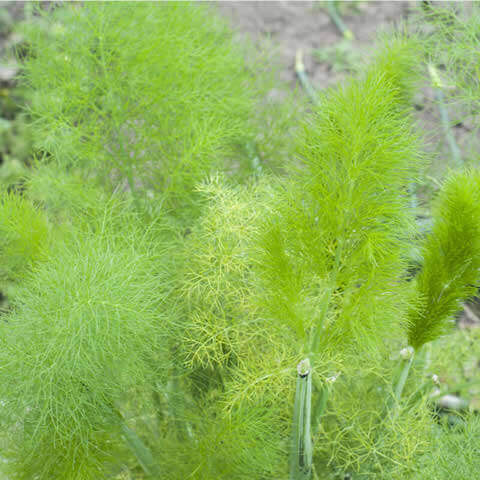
x,y
306,25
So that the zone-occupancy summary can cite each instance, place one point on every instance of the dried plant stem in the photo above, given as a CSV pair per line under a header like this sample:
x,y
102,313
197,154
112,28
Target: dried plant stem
x,y
471,315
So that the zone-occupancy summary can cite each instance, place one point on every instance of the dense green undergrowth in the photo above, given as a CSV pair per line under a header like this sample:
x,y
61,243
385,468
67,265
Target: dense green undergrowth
x,y
150,98
205,285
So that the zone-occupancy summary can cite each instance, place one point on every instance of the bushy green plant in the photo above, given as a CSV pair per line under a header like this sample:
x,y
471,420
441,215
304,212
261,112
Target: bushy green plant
x,y
317,266
455,453
339,229
84,336
15,148
448,278
259,341
24,236
149,97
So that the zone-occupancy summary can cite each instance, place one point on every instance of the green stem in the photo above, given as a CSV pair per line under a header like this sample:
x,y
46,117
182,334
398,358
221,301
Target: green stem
x,y
438,86
129,172
137,446
402,380
175,407
302,76
328,298
140,450
455,151
254,157
301,451
323,393
337,20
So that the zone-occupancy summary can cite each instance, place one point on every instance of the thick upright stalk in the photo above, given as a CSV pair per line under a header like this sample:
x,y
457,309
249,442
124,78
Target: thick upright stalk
x,y
140,450
322,393
136,445
403,379
408,355
175,406
327,300
301,450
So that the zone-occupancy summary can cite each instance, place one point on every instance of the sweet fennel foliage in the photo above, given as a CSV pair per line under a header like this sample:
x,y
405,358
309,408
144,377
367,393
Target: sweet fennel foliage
x,y
456,454
24,236
154,96
451,259
329,247
148,349
270,260
451,40
84,332
337,239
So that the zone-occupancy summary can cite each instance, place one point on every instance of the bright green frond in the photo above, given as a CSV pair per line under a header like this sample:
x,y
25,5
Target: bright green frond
x,y
334,244
86,329
24,236
450,272
149,97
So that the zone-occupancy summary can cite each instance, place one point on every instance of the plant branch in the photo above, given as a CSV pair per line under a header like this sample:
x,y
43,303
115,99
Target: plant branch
x,y
302,76
439,86
337,20
301,451
408,356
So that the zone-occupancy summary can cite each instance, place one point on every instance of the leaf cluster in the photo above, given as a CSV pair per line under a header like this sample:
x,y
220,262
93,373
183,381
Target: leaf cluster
x,y
85,329
24,236
455,453
148,97
266,261
337,236
451,259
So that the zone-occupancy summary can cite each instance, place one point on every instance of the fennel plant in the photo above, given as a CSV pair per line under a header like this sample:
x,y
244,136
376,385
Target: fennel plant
x,y
253,339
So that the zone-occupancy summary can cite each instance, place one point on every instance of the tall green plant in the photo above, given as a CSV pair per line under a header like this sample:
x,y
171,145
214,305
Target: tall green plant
x,y
340,231
451,263
310,266
316,267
